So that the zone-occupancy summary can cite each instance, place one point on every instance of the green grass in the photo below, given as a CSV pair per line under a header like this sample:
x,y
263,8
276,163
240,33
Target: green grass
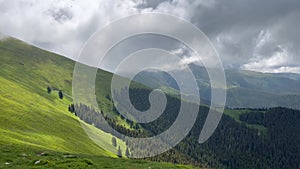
x,y
19,157
33,121
29,115
30,119
235,114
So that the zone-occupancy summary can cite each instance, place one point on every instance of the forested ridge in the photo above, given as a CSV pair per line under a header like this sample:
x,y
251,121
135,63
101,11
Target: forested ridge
x,y
233,145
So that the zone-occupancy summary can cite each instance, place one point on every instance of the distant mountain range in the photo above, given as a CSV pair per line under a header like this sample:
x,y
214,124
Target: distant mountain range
x,y
244,88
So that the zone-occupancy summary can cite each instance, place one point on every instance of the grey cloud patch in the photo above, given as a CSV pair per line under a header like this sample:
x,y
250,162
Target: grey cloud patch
x,y
245,32
151,3
136,43
61,15
277,48
237,27
241,13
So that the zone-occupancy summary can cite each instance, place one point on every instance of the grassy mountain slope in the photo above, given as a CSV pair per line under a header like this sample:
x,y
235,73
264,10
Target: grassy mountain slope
x,y
31,116
33,121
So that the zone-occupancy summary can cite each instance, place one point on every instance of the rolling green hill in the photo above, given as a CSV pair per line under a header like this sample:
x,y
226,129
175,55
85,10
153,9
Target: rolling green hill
x,y
36,129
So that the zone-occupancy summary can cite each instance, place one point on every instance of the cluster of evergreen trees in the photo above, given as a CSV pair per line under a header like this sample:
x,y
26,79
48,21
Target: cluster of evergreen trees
x,y
60,93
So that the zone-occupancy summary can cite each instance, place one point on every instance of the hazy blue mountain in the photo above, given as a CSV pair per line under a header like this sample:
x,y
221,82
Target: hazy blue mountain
x,y
244,88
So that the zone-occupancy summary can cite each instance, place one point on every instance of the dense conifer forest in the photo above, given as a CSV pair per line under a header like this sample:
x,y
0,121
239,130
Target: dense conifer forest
x,y
235,144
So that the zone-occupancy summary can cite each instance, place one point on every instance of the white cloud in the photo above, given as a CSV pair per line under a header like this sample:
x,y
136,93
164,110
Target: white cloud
x,y
245,38
59,26
186,57
279,62
186,60
183,8
263,38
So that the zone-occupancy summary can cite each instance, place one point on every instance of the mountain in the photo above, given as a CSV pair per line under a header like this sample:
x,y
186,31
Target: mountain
x,y
36,128
244,88
38,131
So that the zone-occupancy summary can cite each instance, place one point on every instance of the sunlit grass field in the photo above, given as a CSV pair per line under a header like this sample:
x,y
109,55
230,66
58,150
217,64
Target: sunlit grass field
x,y
36,128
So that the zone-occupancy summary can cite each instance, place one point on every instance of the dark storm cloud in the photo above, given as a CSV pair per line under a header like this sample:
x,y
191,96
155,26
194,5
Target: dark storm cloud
x,y
236,26
247,33
242,13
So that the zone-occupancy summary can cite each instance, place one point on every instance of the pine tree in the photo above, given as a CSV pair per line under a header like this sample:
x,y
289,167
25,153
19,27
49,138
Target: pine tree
x,y
71,108
119,152
60,94
49,90
127,154
114,141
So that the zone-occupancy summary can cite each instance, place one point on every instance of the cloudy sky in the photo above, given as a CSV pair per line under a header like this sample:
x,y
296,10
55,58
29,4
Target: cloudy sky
x,y
248,34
